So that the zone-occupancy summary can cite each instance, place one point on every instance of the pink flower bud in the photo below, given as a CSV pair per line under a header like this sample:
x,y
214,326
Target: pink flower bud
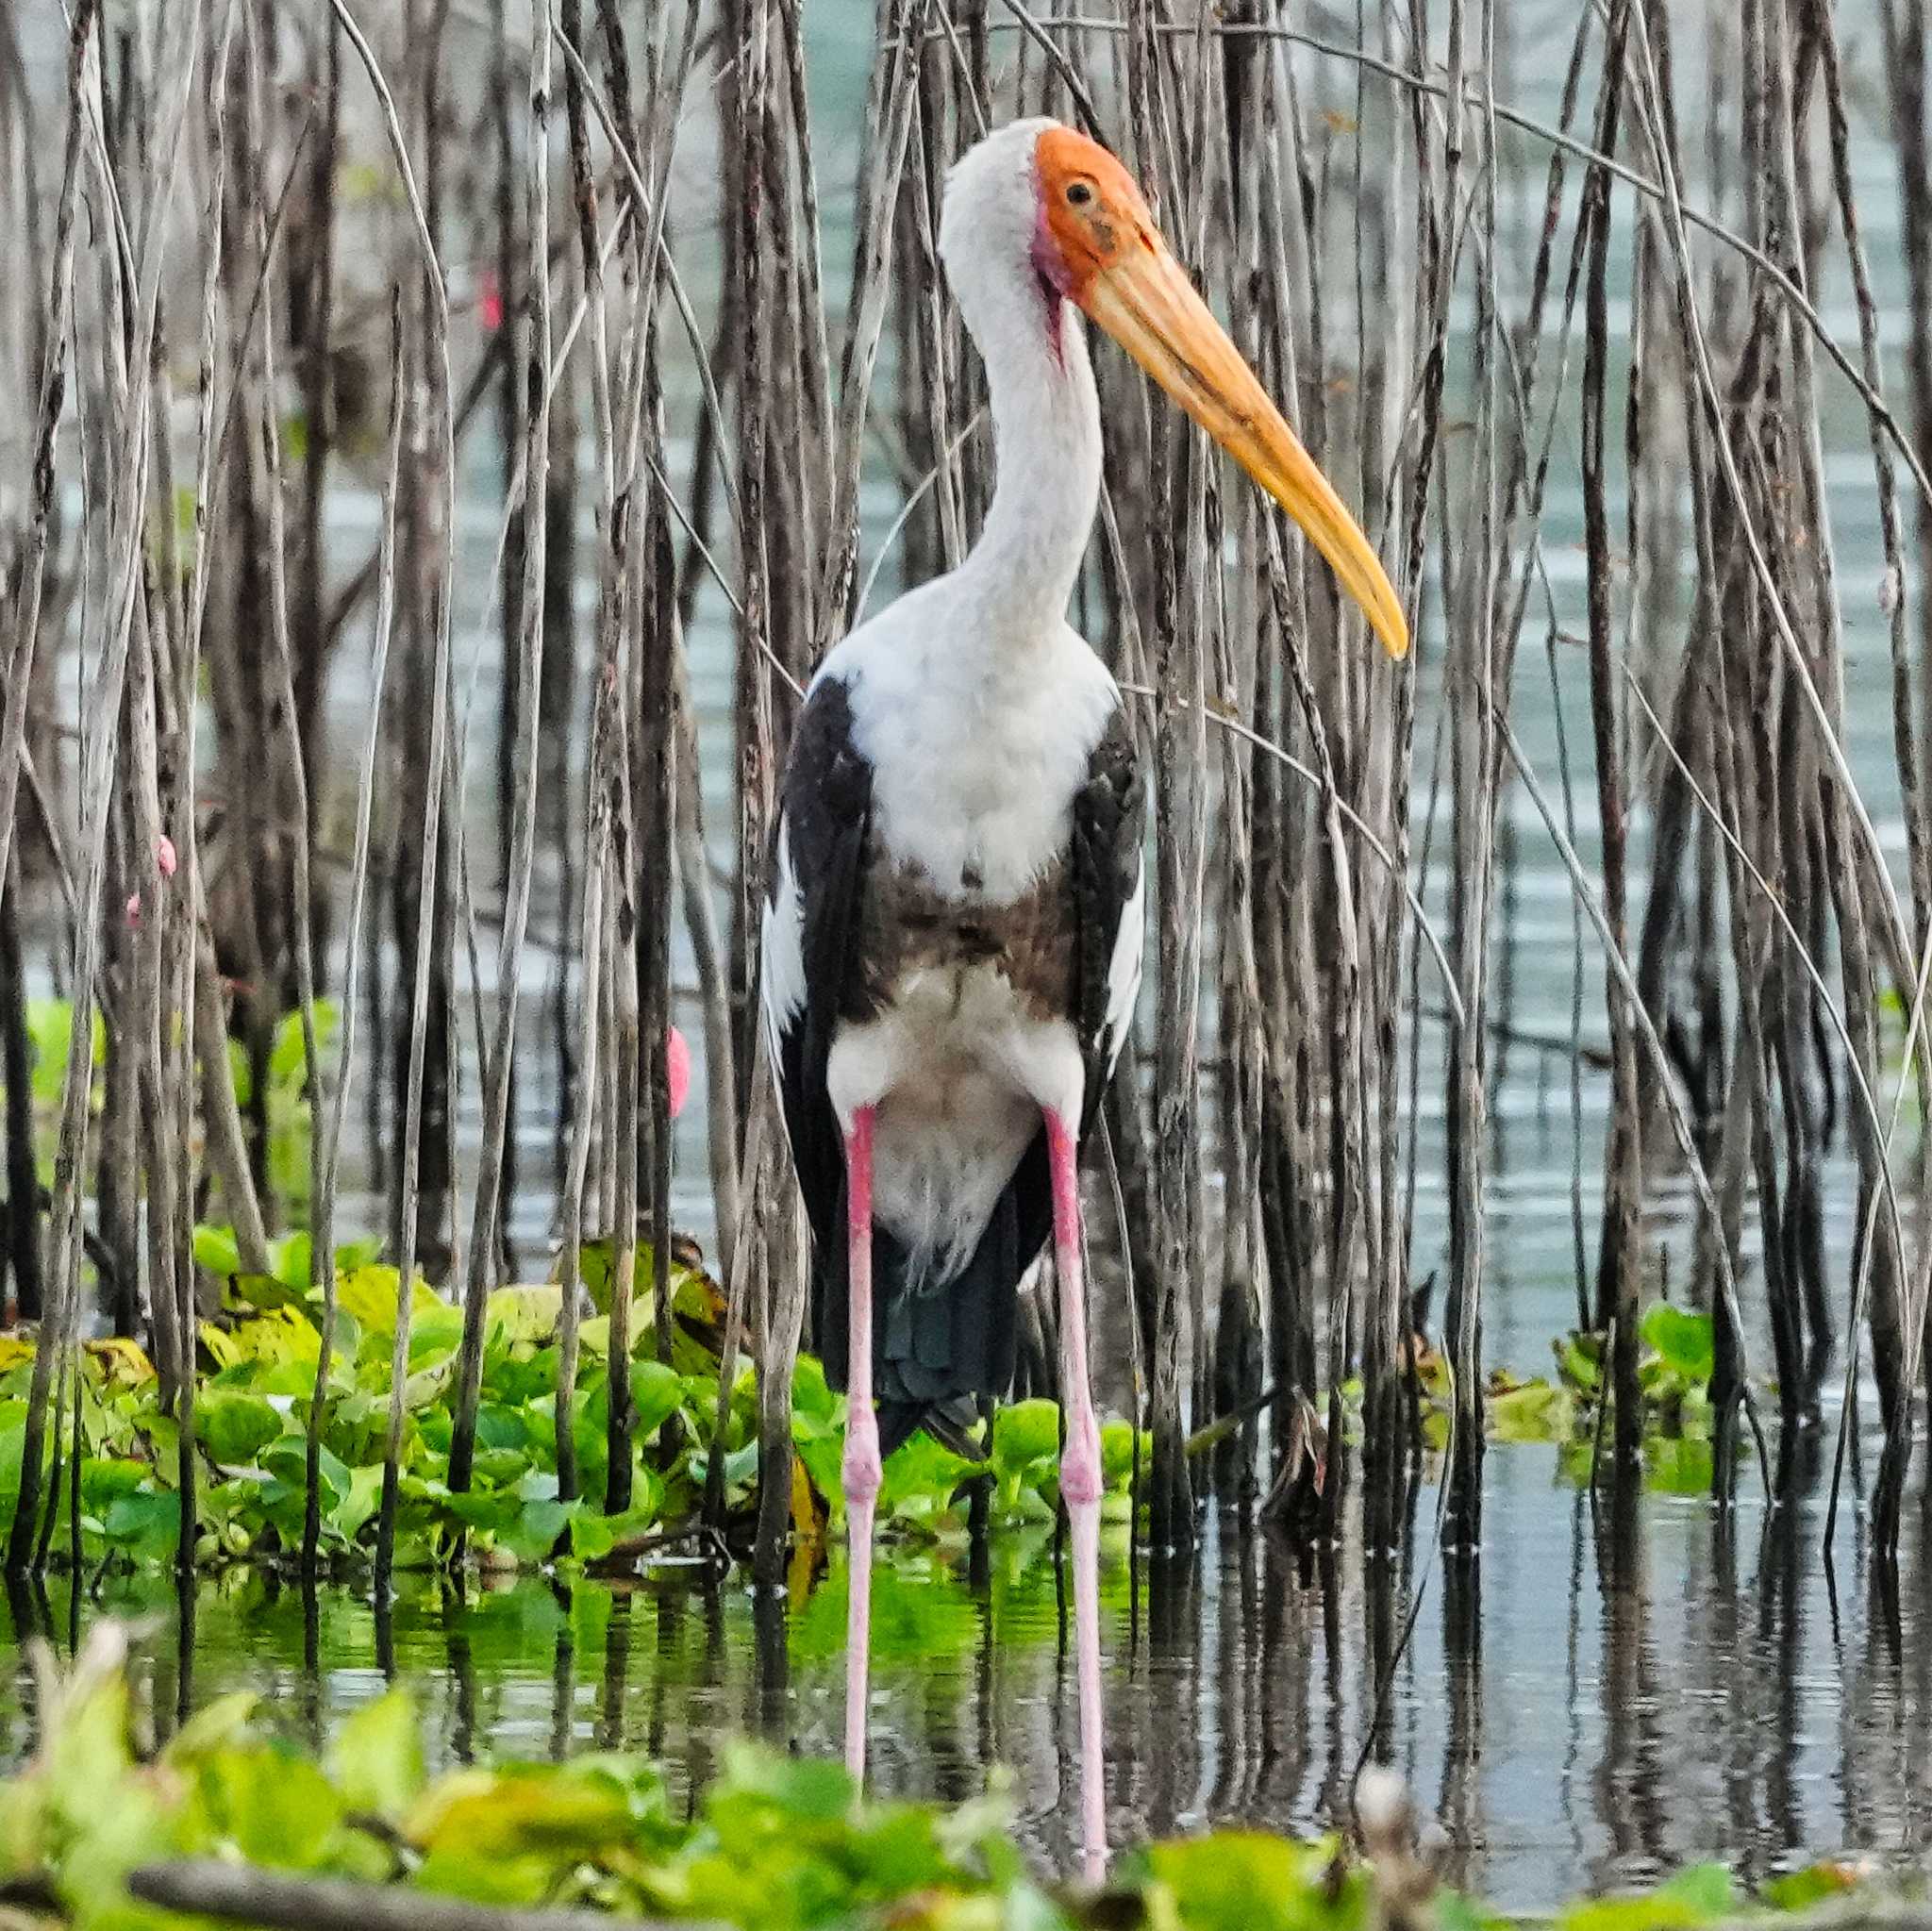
x,y
677,1068
164,855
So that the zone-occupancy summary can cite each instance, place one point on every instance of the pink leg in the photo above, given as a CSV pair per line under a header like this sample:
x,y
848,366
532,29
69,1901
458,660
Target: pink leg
x,y
1079,1481
861,1471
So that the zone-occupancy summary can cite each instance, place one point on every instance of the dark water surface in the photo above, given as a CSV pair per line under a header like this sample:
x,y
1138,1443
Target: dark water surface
x,y
1592,1705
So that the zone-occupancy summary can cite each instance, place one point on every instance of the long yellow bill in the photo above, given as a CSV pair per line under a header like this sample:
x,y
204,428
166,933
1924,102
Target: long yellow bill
x,y
1147,303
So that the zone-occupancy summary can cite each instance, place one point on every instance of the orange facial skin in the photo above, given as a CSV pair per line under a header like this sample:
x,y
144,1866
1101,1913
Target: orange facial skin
x,y
1096,244
1090,207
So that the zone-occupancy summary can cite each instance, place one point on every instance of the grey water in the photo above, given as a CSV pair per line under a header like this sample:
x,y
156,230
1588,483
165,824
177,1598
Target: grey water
x,y
1591,1706
1571,1715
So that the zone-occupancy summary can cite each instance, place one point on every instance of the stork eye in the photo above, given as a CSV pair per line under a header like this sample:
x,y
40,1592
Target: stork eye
x,y
1079,193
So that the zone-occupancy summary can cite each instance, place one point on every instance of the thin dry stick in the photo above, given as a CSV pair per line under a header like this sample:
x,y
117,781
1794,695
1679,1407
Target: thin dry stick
x,y
322,1267
53,403
100,744
497,1065
358,875
434,416
1673,1106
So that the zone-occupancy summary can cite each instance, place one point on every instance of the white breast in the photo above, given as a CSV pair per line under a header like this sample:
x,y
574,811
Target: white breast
x,y
977,754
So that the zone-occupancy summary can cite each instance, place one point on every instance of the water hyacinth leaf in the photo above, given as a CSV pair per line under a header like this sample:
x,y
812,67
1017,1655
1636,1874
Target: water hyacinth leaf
x,y
147,1526
804,1790
377,1759
1685,1342
1798,1890
1527,1411
821,1450
234,1428
491,1511
740,1466
289,1058
538,1526
360,1504
1579,1361
811,1393
922,1470
290,1259
1239,1880
503,1837
1023,1433
657,1393
50,1029
597,1538
1699,1895
1677,1464
437,1330
213,1726
498,1426
520,1315
368,1293
287,1459
271,1805
12,1446
1117,1453
274,1337
215,1249
118,1364
102,1480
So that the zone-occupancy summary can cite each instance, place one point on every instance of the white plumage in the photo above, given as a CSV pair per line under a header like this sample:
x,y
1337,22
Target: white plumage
x,y
978,710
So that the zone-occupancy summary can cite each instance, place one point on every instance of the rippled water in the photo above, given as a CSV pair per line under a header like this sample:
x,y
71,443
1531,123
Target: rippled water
x,y
1717,1699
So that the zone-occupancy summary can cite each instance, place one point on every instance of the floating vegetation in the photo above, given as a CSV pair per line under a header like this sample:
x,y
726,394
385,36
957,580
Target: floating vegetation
x,y
257,1358
258,1352
101,1832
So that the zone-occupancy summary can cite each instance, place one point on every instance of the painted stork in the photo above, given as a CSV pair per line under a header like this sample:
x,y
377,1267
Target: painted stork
x,y
952,942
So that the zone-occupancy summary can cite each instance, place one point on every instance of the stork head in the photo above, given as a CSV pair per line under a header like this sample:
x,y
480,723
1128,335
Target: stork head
x,y
1060,209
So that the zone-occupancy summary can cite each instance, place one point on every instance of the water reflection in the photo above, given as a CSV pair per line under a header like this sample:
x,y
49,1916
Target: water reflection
x,y
1621,1686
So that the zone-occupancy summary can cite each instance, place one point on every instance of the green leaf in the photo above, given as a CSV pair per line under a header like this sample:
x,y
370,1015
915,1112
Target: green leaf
x,y
287,1459
1685,1342
811,1395
522,1315
594,1536
377,1759
924,1471
290,1259
1023,1433
273,1808
656,1391
1694,1896
1532,1411
147,1526
1798,1890
539,1525
236,1427
359,1505
1240,1880
215,1249
289,1059
1117,1453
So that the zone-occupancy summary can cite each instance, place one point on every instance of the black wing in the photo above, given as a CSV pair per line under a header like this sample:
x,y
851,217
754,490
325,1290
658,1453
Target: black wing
x,y
1110,903
1106,903
811,963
